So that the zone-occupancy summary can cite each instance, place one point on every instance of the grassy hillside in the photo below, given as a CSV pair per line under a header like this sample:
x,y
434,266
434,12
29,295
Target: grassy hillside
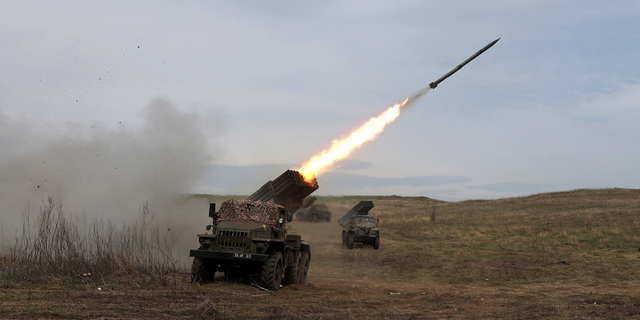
x,y
592,234
554,255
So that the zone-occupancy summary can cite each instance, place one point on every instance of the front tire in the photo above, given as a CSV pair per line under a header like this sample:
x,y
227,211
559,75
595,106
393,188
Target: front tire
x,y
349,241
273,271
376,244
200,271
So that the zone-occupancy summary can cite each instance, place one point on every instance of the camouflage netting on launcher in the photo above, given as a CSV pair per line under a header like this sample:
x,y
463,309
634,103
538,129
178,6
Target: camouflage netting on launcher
x,y
248,210
363,222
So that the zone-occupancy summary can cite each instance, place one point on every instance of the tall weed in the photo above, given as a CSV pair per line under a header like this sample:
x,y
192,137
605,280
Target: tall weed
x,y
53,242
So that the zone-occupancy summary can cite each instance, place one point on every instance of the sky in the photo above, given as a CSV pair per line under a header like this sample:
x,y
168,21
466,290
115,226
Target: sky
x,y
129,100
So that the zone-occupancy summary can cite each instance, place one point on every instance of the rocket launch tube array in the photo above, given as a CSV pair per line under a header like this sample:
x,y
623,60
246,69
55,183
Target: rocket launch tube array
x,y
287,190
361,209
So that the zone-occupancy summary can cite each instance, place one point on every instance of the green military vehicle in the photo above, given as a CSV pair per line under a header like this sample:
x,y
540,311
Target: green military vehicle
x,y
250,237
358,227
313,212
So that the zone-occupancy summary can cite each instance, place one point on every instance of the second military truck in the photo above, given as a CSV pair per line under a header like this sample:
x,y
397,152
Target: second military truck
x,y
359,227
313,212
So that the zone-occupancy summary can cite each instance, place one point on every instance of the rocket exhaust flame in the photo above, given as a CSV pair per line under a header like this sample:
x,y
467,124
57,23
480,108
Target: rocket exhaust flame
x,y
341,149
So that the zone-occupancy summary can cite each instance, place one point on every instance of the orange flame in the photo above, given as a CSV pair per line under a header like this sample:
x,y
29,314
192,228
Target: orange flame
x,y
341,149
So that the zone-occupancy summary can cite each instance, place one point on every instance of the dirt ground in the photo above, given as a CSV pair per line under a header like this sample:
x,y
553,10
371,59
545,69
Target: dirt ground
x,y
341,285
329,294
326,298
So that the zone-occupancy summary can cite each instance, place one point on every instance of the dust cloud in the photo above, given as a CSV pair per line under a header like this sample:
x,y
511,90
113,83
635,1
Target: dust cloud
x,y
107,172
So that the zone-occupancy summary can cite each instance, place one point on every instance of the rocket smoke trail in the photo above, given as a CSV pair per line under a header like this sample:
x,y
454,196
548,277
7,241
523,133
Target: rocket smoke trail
x,y
341,149
416,96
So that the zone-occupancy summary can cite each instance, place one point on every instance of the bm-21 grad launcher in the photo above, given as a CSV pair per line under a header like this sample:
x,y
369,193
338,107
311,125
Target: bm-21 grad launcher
x,y
249,237
358,226
312,211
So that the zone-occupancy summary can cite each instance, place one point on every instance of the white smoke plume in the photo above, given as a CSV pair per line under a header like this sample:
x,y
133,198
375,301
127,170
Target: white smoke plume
x,y
103,171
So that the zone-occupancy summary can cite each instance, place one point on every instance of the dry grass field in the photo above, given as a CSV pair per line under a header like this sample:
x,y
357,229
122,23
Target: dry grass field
x,y
563,255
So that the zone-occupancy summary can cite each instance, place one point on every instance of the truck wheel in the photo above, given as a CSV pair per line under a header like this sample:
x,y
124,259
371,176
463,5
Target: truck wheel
x,y
349,241
303,268
200,272
376,244
272,271
291,272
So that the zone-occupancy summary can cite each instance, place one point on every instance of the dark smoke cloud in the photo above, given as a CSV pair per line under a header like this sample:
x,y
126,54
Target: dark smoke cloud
x,y
105,171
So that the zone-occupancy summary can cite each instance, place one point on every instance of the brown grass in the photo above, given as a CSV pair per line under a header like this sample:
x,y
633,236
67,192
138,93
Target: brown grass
x,y
567,228
52,242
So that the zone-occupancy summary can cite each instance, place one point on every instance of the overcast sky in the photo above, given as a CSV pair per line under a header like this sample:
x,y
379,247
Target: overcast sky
x,y
554,105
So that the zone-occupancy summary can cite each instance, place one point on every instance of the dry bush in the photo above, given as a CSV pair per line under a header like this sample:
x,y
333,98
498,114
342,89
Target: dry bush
x,y
53,242
210,309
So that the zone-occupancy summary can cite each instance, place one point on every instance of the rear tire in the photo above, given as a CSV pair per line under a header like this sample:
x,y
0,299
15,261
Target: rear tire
x,y
291,272
303,267
273,271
